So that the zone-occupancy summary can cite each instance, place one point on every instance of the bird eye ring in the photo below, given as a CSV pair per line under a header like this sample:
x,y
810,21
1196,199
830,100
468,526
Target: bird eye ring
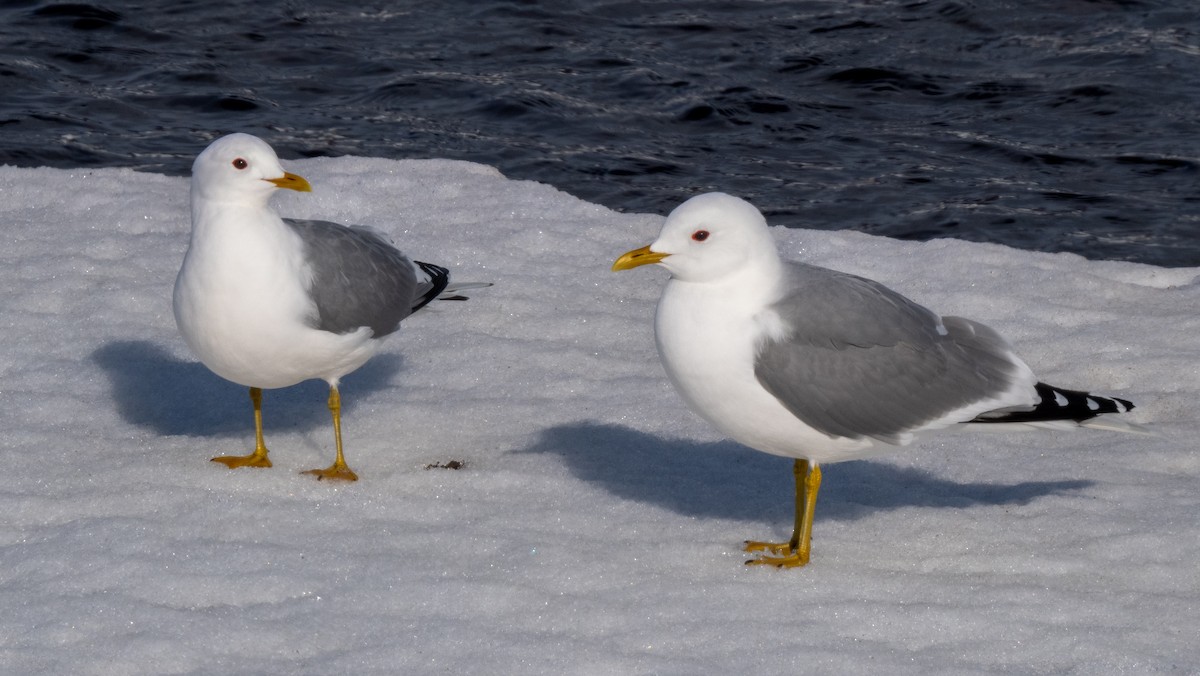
x,y
240,164
700,235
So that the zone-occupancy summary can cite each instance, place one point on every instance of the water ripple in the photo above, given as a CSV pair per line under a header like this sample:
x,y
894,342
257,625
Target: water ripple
x,y
1042,125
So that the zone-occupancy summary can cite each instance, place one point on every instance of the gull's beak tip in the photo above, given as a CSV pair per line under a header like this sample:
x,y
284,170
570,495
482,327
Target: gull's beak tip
x,y
636,258
290,181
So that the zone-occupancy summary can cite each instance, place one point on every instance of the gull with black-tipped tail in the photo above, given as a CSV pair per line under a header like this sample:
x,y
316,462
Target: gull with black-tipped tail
x,y
269,302
821,366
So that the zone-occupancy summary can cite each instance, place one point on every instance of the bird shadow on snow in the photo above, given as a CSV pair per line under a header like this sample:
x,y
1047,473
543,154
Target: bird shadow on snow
x,y
726,480
154,390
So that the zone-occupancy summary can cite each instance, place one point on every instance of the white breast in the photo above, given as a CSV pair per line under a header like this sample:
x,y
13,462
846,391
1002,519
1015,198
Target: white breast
x,y
242,306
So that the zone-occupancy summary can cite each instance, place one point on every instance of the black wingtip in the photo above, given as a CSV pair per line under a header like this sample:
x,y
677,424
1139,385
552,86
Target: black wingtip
x,y
438,276
1057,403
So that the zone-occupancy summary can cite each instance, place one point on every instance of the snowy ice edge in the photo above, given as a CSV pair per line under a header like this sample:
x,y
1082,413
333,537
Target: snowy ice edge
x,y
126,551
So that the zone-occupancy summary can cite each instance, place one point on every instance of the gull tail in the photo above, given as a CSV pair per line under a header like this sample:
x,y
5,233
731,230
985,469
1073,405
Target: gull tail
x,y
437,285
452,289
1059,408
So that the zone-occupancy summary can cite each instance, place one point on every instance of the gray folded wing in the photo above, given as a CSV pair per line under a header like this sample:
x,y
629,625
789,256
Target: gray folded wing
x,y
358,278
857,359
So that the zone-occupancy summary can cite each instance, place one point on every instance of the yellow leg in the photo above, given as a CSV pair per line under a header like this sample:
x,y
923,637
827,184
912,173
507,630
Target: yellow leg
x,y
259,457
339,469
794,552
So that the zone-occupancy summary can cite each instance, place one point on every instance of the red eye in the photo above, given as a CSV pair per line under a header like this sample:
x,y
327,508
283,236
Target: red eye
x,y
240,164
700,235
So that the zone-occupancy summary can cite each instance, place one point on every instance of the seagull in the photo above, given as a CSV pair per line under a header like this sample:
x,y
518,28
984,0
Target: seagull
x,y
822,366
269,302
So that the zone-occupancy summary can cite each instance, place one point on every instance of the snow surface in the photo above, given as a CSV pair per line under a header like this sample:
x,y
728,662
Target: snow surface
x,y
596,525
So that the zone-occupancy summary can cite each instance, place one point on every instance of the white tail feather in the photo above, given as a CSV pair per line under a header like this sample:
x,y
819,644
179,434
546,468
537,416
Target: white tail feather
x,y
1106,423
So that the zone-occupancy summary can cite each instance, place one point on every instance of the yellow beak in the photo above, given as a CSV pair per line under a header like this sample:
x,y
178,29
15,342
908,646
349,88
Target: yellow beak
x,y
642,256
291,182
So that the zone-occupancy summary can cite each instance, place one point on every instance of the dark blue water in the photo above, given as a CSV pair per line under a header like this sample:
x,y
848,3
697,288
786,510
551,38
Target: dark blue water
x,y
1056,125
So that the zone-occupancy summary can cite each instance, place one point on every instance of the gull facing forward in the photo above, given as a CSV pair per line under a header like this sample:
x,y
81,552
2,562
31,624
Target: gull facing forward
x,y
822,366
269,302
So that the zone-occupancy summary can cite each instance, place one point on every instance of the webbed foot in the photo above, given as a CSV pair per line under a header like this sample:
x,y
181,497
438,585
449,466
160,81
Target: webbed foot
x,y
338,471
778,554
255,459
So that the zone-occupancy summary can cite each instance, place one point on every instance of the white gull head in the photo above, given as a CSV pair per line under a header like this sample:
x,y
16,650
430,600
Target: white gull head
x,y
712,236
241,169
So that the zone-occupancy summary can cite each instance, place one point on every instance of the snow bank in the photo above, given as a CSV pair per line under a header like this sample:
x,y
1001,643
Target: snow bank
x,y
596,525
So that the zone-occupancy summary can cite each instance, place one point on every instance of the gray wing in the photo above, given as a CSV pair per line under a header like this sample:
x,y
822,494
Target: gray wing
x,y
359,278
859,360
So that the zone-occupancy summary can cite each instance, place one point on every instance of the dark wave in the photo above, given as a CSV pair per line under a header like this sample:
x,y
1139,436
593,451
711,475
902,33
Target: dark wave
x,y
1050,126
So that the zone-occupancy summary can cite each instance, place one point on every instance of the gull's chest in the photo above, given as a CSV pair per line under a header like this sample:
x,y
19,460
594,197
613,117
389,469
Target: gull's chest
x,y
246,275
702,335
707,340
241,300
